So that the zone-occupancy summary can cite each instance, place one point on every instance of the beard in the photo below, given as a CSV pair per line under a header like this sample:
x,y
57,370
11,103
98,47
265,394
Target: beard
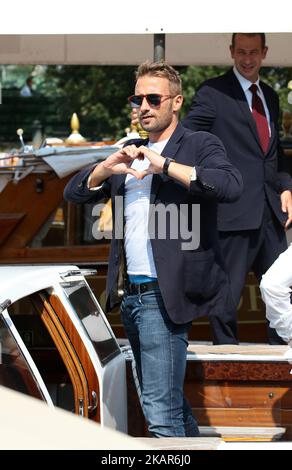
x,y
156,123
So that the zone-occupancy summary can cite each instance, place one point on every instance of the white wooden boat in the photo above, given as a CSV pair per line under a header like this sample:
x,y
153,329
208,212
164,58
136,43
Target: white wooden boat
x,y
58,346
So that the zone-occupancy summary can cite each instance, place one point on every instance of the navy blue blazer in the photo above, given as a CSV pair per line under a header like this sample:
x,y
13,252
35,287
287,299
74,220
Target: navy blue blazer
x,y
192,282
220,107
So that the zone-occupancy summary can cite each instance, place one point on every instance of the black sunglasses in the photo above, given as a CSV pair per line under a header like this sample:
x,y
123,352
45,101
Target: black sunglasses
x,y
153,99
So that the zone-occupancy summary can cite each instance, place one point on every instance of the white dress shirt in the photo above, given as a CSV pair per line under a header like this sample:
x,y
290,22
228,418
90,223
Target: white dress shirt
x,y
245,84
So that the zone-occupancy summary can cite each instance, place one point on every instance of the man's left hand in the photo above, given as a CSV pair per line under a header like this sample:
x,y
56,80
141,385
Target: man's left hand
x,y
156,162
286,202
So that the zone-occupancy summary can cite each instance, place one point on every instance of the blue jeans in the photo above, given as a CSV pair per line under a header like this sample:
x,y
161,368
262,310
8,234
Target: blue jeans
x,y
159,347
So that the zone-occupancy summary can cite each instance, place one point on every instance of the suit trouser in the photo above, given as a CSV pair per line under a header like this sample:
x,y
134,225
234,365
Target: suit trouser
x,y
244,251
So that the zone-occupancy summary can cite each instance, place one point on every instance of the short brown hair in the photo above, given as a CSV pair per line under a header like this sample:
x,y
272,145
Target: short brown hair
x,y
251,35
164,70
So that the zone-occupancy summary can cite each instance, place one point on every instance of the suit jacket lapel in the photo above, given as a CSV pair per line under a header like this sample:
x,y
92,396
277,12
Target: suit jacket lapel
x,y
120,184
273,118
170,151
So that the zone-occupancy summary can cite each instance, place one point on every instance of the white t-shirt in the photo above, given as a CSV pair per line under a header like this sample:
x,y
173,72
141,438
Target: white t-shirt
x,y
137,244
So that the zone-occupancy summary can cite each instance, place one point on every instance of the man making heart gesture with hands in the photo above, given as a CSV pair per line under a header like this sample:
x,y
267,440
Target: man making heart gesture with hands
x,y
176,177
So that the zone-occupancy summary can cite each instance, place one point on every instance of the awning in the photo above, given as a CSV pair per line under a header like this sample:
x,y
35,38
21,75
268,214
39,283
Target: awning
x,y
114,49
121,32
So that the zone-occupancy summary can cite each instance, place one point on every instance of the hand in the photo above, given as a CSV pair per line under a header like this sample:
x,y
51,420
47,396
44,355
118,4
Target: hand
x,y
120,162
286,202
156,162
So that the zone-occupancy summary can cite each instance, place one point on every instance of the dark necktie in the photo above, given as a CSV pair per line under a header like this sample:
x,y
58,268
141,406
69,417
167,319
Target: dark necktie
x,y
259,115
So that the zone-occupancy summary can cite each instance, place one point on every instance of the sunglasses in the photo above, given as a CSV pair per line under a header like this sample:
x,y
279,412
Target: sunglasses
x,y
153,99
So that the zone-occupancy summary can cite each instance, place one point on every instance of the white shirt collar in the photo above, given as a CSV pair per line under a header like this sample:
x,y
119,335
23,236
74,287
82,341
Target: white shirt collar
x,y
245,84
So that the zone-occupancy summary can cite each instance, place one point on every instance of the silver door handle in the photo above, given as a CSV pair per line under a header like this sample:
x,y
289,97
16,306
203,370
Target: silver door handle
x,y
93,407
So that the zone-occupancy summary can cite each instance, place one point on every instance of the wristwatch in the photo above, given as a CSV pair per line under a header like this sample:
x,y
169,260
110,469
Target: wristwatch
x,y
166,164
193,174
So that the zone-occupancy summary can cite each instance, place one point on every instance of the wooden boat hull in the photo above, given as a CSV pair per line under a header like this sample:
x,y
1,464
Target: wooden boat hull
x,y
246,391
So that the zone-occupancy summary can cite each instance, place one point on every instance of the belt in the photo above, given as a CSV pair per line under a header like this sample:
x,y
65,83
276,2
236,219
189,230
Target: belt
x,y
136,289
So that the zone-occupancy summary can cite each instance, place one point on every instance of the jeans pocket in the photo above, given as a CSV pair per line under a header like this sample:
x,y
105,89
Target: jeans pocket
x,y
151,298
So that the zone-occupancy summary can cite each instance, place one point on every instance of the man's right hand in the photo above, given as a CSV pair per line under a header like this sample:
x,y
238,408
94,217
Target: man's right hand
x,y
118,163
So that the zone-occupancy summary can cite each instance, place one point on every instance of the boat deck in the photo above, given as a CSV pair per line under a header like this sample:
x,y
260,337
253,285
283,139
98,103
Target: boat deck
x,y
241,352
237,392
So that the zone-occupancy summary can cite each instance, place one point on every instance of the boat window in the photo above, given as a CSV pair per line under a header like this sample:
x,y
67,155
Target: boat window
x,y
46,356
74,225
15,372
90,313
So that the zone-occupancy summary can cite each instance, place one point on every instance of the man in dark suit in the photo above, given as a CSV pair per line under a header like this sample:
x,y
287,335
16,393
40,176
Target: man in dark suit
x,y
174,271
244,112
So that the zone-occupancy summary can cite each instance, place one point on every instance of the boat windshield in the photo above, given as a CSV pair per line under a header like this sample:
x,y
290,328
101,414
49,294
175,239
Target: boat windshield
x,y
90,313
15,371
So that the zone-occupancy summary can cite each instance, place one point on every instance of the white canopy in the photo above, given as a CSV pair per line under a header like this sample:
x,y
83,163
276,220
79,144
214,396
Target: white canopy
x,y
64,160
152,16
121,32
114,49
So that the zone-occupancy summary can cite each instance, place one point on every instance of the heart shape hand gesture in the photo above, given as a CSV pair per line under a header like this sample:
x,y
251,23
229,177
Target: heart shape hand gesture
x,y
120,162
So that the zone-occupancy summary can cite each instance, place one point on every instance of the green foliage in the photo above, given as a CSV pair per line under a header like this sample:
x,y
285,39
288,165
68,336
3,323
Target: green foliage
x,y
192,77
14,76
97,94
278,78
